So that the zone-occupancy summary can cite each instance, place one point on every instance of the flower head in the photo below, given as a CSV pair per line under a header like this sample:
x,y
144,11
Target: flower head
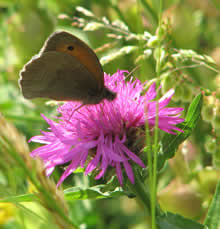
x,y
97,137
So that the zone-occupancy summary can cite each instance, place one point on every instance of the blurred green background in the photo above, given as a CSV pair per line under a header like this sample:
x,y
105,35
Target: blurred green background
x,y
192,24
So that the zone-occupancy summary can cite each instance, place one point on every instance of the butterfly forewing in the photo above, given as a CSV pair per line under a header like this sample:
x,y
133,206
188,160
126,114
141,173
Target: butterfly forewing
x,y
57,76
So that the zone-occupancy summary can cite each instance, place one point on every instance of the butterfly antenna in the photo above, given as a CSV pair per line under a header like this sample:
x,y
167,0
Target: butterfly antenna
x,y
75,111
133,70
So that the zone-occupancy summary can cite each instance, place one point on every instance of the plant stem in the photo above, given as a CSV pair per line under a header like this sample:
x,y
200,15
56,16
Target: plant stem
x,y
142,193
156,132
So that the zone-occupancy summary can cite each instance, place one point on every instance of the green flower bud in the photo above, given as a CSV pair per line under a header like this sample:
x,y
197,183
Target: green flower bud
x,y
153,42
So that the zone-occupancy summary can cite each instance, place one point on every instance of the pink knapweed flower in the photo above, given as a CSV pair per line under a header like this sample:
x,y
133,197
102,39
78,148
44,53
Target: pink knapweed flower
x,y
98,137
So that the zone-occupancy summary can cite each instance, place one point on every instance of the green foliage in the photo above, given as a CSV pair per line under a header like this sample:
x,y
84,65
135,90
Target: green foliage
x,y
174,221
74,193
212,220
170,143
90,193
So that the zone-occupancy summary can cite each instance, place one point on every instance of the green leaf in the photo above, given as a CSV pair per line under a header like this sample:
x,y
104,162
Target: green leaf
x,y
213,217
20,198
171,142
194,111
76,193
174,221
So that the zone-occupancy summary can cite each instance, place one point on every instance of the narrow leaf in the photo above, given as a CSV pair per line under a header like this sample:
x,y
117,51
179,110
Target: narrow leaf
x,y
213,217
20,198
194,111
174,221
76,193
171,142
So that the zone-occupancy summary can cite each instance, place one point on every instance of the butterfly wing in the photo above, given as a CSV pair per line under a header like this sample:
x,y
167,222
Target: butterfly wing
x,y
60,40
58,76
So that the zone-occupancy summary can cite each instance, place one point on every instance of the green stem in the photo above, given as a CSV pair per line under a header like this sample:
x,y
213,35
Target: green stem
x,y
156,132
149,150
142,193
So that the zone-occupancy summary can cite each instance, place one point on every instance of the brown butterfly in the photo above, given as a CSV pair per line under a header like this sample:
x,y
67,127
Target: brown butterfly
x,y
65,69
